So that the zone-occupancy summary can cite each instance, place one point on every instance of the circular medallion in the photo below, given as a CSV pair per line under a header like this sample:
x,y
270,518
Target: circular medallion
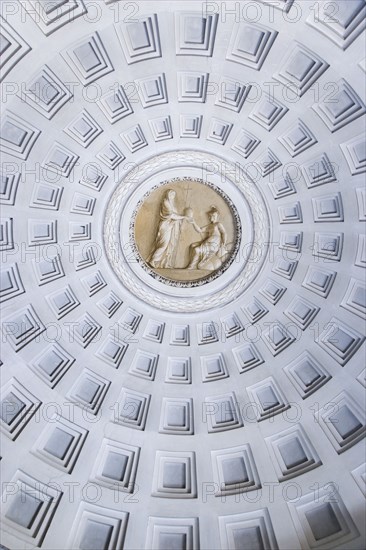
x,y
186,232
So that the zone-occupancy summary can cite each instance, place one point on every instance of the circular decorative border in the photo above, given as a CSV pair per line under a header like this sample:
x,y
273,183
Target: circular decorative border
x,y
179,160
203,280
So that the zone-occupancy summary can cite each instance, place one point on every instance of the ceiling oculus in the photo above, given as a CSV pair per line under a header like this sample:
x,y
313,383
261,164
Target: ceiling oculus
x,y
186,232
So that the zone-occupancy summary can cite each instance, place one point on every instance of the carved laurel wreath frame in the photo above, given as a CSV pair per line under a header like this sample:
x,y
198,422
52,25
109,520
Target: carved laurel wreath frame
x,y
120,263
203,280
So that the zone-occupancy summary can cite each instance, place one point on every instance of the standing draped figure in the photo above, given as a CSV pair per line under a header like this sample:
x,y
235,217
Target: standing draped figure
x,y
166,240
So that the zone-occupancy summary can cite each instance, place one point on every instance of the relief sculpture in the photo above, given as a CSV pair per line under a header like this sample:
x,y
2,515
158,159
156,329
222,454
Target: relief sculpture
x,y
211,251
185,231
166,242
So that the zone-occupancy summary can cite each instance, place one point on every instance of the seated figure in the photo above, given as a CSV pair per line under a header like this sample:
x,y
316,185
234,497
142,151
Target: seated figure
x,y
211,251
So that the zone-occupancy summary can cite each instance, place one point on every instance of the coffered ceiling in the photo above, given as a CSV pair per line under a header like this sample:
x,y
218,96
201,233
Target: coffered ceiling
x,y
136,414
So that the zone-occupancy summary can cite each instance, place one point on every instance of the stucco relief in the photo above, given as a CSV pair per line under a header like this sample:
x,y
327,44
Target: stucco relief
x,y
186,231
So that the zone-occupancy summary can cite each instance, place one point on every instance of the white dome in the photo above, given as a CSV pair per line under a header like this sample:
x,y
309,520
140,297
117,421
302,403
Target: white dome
x,y
140,414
